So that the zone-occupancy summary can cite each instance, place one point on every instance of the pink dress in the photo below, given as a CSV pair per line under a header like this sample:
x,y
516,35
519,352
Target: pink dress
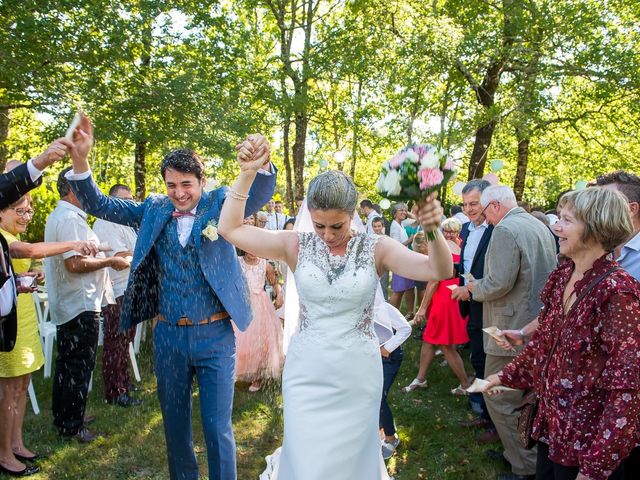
x,y
259,349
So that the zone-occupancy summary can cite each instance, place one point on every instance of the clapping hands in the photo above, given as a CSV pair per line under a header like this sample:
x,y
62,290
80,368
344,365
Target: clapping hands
x,y
254,153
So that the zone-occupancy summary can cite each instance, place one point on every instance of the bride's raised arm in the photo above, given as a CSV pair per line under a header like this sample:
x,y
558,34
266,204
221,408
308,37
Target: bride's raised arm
x,y
253,154
438,265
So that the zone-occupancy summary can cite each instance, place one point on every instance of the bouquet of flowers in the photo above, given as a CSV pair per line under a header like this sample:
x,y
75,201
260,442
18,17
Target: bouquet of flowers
x,y
415,172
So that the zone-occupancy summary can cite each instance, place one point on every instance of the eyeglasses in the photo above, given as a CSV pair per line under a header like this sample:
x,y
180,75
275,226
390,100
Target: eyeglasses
x,y
485,208
23,212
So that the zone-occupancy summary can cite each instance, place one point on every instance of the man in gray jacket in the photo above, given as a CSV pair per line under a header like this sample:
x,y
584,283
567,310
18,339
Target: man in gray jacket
x,y
520,256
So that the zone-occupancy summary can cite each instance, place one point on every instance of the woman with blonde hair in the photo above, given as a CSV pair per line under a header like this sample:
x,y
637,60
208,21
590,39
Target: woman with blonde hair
x,y
583,359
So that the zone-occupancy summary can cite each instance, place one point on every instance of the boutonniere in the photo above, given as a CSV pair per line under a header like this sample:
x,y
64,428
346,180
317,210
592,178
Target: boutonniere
x,y
211,231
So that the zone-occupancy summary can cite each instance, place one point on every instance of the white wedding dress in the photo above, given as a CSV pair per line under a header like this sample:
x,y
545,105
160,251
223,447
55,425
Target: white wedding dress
x,y
332,379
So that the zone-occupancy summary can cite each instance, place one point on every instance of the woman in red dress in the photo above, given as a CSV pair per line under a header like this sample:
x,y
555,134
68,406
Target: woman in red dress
x,y
445,326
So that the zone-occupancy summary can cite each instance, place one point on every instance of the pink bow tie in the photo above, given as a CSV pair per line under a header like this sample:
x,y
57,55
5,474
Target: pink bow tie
x,y
178,214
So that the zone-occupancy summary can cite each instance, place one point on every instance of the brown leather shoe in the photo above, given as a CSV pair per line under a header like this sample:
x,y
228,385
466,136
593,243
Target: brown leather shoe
x,y
475,422
489,436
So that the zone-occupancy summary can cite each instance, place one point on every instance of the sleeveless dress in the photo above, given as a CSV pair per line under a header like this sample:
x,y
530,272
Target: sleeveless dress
x,y
26,356
332,380
259,348
445,325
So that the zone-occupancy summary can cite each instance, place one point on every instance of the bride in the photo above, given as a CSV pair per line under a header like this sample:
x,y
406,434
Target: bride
x,y
332,378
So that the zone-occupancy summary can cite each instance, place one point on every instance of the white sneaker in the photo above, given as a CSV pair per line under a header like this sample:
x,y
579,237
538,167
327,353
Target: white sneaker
x,y
415,384
389,448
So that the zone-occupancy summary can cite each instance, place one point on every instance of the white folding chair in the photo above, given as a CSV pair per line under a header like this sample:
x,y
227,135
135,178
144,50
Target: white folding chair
x,y
46,328
33,399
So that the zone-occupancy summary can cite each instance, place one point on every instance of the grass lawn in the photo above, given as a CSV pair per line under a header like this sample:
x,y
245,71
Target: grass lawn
x,y
433,446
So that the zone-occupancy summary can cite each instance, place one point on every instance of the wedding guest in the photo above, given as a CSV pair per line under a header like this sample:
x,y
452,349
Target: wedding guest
x,y
275,219
519,259
377,224
445,326
583,359
288,225
259,354
78,287
401,286
115,352
475,237
366,208
261,219
26,357
392,355
420,245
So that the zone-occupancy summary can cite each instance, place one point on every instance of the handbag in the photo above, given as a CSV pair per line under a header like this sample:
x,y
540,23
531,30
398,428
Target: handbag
x,y
531,400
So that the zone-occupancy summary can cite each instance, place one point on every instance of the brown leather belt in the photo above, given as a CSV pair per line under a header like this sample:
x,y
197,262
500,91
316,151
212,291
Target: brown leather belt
x,y
187,322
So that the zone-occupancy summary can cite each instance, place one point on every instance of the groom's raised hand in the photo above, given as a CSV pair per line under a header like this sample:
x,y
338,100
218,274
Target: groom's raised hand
x,y
254,153
82,143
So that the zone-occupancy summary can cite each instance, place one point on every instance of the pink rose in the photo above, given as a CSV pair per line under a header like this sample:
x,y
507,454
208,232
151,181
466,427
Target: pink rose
x,y
397,160
430,177
448,164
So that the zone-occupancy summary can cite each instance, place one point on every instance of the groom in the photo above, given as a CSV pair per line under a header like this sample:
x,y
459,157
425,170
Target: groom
x,y
189,281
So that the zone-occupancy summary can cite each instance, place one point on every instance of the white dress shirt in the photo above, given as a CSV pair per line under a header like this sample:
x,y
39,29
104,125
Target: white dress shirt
x,y
70,293
471,245
120,238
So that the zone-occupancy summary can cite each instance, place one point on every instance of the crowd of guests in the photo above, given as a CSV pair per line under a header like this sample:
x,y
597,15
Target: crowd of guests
x,y
559,290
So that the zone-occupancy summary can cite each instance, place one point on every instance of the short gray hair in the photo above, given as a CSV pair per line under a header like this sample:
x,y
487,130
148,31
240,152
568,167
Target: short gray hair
x,y
396,207
501,194
332,190
475,184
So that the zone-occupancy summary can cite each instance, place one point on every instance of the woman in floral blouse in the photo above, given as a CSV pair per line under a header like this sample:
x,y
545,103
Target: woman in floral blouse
x,y
589,409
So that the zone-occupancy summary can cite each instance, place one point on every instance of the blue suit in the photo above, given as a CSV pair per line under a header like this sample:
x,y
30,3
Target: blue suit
x,y
159,263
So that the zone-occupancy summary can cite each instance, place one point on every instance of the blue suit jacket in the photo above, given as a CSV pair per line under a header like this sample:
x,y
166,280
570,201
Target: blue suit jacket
x,y
473,308
218,259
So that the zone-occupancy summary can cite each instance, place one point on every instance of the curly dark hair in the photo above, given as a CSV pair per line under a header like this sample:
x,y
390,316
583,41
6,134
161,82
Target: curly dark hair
x,y
183,160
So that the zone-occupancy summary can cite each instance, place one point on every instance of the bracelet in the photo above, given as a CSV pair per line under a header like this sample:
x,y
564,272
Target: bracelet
x,y
236,195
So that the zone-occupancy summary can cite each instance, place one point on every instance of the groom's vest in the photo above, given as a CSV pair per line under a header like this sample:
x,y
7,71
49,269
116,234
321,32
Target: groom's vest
x,y
184,290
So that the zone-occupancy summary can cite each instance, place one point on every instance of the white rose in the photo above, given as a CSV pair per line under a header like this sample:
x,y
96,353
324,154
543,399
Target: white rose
x,y
429,160
411,156
380,183
392,183
210,232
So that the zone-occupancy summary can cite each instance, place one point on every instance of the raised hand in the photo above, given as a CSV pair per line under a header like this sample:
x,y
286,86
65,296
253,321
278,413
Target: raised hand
x,y
54,152
430,213
82,140
253,153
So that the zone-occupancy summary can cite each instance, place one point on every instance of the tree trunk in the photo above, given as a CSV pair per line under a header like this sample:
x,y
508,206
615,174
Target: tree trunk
x,y
140,169
484,135
356,131
287,163
4,135
523,159
301,122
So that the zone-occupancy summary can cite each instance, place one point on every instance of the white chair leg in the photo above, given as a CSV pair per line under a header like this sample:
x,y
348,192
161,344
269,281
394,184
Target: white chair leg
x,y
134,362
91,382
34,400
48,355
138,337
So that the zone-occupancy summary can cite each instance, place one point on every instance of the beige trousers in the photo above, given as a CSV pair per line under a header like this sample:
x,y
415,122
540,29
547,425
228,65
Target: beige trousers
x,y
502,408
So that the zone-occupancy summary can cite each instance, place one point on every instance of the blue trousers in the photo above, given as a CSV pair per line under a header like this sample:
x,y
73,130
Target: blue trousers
x,y
390,367
208,351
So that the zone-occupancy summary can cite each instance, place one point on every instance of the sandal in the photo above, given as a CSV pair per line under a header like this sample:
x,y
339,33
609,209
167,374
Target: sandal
x,y
414,385
460,391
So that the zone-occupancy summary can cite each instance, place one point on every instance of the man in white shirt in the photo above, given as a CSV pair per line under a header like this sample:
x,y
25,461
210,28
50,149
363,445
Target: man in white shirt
x,y
122,240
78,287
275,219
366,207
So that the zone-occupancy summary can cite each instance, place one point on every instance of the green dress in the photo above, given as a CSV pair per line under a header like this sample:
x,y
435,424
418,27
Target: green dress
x,y
26,356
